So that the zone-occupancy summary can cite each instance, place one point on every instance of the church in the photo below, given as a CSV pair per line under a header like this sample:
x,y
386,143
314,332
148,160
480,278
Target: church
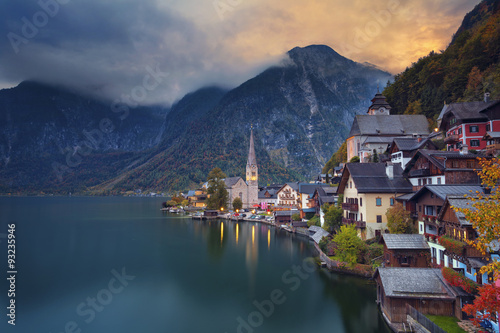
x,y
247,190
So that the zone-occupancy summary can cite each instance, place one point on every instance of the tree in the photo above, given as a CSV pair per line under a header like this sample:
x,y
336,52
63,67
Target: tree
x,y
237,203
354,159
348,244
185,203
485,306
375,156
296,217
484,215
333,217
399,220
217,193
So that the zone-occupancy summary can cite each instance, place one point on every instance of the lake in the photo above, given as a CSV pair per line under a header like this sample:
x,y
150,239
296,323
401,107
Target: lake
x,y
114,264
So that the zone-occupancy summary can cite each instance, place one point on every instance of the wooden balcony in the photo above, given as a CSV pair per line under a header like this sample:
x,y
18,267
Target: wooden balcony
x,y
495,146
353,207
358,224
420,172
472,252
454,138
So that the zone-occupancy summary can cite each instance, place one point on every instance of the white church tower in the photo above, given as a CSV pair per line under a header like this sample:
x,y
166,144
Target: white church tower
x,y
252,175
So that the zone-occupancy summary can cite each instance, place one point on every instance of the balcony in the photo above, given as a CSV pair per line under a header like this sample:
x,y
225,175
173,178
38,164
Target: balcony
x,y
353,207
494,146
358,224
451,139
420,172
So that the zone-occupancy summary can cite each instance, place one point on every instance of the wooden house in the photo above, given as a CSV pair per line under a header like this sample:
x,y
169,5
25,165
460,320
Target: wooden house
x,y
403,250
403,149
424,289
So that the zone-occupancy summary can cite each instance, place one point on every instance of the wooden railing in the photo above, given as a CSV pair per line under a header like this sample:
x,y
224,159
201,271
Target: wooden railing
x,y
353,207
358,224
423,320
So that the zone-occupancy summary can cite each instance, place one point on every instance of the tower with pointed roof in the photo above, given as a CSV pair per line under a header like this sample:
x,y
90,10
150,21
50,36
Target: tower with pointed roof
x,y
379,105
252,174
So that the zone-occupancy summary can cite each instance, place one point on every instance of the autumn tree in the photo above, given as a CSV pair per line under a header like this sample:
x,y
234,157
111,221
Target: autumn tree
x,y
332,217
348,244
399,220
217,193
485,306
484,213
237,203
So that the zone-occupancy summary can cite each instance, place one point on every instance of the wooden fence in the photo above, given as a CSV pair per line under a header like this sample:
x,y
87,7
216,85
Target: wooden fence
x,y
423,320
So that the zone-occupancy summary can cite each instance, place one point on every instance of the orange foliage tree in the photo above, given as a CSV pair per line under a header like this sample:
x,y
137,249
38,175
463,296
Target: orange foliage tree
x,y
484,214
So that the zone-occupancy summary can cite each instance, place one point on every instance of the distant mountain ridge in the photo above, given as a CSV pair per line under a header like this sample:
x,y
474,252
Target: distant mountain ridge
x,y
301,112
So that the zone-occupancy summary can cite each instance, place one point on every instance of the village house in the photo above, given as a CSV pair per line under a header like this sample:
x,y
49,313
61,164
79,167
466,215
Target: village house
x,y
377,129
197,198
268,195
401,150
424,289
403,250
321,196
369,189
288,196
428,167
467,123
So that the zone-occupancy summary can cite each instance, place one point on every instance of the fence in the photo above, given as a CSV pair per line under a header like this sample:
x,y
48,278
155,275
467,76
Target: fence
x,y
423,320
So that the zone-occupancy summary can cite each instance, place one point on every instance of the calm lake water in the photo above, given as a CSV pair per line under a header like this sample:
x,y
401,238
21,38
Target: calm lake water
x,y
117,264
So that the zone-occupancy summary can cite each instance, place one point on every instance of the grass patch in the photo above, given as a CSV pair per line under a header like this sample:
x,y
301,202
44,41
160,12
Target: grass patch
x,y
449,324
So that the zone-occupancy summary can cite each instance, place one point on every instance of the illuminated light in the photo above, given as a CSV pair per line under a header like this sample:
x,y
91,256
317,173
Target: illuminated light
x,y
253,234
237,231
221,232
436,129
222,209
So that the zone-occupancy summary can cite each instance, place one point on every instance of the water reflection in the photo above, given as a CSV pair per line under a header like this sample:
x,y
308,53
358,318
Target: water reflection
x,y
237,232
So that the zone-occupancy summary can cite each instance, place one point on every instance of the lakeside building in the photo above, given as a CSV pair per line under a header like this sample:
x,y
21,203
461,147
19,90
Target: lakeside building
x,y
378,128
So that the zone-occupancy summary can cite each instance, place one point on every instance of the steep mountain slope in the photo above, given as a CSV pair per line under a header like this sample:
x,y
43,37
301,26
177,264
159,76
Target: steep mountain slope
x,y
463,72
301,111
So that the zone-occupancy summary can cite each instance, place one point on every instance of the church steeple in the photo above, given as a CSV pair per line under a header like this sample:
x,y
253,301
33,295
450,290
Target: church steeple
x,y
252,170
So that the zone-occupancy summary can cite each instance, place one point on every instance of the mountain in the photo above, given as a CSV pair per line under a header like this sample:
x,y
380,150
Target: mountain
x,y
467,69
300,110
55,140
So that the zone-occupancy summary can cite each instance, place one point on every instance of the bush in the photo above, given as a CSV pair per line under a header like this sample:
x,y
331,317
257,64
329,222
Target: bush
x,y
296,217
314,221
323,244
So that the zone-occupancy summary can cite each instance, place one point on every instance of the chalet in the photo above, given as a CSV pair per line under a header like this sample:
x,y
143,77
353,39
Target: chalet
x,y
284,216
269,195
288,196
369,189
306,193
467,123
457,229
403,250
425,289
378,128
492,143
428,167
197,198
403,149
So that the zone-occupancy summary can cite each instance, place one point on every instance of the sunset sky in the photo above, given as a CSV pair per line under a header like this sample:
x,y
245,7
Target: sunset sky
x,y
106,47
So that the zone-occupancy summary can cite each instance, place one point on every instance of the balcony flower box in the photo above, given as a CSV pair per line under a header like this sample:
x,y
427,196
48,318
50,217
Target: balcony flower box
x,y
452,245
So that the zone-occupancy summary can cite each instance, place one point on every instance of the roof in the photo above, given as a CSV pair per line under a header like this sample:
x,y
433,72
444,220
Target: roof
x,y
461,202
389,125
437,157
286,212
405,242
372,178
442,191
493,135
379,139
410,143
272,192
379,101
310,188
317,233
467,110
252,160
231,181
405,197
414,282
191,193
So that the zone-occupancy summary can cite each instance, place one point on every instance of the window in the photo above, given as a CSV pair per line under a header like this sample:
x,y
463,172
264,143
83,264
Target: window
x,y
378,201
429,181
488,127
420,208
441,256
361,201
419,182
460,130
361,219
473,128
379,218
434,252
455,164
474,143
350,184
470,164
391,201
421,228
439,181
404,260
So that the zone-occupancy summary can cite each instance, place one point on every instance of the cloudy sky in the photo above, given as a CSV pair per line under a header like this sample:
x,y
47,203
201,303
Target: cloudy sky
x,y
111,47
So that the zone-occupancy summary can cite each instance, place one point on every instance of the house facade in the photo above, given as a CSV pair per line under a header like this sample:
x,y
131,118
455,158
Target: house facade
x,y
377,129
288,196
401,150
468,122
404,250
369,189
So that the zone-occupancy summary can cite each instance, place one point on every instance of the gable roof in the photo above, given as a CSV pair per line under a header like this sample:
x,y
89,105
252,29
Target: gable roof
x,y
317,233
458,202
308,188
438,157
395,125
442,191
272,192
231,181
414,283
372,178
467,110
410,143
405,242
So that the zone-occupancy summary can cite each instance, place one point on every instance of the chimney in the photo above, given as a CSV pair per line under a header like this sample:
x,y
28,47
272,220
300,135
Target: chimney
x,y
389,170
464,149
486,97
419,139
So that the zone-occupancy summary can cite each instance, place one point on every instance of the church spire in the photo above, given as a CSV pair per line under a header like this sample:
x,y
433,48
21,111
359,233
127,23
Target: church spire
x,y
252,160
252,169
